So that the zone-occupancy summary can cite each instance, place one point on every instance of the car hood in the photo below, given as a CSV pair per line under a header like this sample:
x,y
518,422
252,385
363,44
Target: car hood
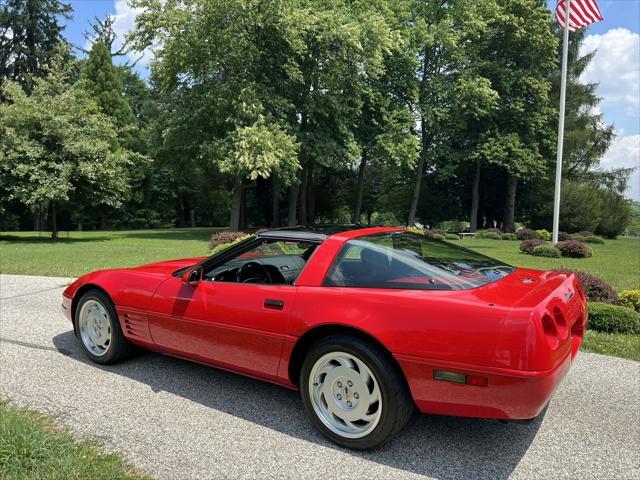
x,y
168,266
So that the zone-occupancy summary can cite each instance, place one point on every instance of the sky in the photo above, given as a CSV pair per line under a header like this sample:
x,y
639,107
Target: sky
x,y
615,67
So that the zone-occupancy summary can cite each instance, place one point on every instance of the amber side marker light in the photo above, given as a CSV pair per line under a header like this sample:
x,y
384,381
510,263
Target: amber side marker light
x,y
475,380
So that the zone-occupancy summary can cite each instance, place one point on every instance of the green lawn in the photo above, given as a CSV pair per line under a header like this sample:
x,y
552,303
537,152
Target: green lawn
x,y
32,447
614,344
77,253
617,261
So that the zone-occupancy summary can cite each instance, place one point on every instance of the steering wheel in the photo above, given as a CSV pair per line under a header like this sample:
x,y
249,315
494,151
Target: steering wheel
x,y
252,271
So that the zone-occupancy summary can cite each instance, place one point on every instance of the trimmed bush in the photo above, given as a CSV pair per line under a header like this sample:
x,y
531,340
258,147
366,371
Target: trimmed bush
x,y
491,234
528,245
613,319
594,239
546,251
585,233
437,236
575,249
630,299
494,230
544,234
597,289
433,232
452,236
564,236
509,236
221,240
526,234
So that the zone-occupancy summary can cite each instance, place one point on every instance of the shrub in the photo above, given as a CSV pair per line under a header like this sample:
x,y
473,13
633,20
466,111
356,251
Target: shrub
x,y
509,236
221,240
437,236
594,239
526,234
546,251
435,231
613,319
491,234
452,236
528,245
630,299
585,233
494,230
597,289
544,234
563,236
575,249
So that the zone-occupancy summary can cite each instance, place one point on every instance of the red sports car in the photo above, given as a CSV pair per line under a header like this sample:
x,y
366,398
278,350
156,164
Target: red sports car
x,y
368,323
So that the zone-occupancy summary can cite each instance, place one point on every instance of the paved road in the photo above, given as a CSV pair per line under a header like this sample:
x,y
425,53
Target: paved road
x,y
175,419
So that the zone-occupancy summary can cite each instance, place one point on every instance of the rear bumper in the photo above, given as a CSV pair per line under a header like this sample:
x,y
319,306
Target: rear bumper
x,y
509,394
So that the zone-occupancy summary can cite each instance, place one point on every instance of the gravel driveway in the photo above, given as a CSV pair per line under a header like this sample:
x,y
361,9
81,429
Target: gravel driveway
x,y
176,419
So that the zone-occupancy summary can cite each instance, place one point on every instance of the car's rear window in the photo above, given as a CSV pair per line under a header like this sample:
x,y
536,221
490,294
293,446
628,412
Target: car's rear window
x,y
406,260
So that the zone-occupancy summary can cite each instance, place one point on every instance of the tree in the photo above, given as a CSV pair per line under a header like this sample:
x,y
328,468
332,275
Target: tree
x,y
102,31
104,82
57,145
29,34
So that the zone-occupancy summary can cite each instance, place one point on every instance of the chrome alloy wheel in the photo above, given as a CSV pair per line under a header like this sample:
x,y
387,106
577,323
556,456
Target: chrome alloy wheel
x,y
345,395
95,327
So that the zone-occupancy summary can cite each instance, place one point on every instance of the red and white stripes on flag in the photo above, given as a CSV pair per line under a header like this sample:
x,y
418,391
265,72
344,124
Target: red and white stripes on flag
x,y
581,13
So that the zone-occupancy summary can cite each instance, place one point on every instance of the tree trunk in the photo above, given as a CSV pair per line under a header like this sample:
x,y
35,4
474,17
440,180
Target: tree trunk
x,y
54,222
302,197
510,204
360,189
236,205
475,199
419,171
293,204
192,217
275,201
103,219
311,197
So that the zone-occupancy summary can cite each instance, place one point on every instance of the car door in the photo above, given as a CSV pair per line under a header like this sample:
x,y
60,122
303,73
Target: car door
x,y
239,326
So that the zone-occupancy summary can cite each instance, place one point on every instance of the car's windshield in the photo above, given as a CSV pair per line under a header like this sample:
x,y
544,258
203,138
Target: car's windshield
x,y
411,261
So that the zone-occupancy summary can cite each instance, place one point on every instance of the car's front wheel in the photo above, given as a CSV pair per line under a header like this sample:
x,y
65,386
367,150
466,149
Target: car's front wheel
x,y
353,392
98,329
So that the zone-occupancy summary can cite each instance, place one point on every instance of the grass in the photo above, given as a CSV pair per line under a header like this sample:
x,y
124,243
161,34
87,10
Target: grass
x,y
616,262
33,447
614,344
77,253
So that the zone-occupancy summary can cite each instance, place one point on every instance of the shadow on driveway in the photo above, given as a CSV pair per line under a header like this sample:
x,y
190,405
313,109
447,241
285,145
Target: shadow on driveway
x,y
446,448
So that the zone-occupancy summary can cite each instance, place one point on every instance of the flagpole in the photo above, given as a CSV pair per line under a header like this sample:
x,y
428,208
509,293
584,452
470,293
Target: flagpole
x,y
563,94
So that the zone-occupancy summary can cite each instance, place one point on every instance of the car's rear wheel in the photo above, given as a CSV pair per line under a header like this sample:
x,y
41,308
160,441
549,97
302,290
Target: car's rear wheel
x,y
98,329
353,392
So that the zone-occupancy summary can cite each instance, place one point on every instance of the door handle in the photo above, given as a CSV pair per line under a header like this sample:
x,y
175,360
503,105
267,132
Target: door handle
x,y
274,304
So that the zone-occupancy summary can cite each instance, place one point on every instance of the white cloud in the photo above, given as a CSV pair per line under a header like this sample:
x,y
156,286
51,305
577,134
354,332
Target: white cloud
x,y
125,22
625,153
616,67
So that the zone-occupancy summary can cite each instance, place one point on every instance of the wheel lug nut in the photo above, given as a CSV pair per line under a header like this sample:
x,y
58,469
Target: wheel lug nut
x,y
356,396
339,384
350,383
339,397
349,404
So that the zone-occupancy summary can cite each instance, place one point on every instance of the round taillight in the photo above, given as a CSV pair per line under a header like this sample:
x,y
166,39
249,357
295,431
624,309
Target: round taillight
x,y
550,330
561,323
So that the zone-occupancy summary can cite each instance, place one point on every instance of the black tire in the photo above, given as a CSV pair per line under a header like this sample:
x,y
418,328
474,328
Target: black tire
x,y
119,347
397,403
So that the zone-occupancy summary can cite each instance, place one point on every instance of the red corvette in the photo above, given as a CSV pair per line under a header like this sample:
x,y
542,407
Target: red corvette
x,y
367,323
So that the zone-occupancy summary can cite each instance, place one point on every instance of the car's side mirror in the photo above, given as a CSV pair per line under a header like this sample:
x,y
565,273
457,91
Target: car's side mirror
x,y
193,276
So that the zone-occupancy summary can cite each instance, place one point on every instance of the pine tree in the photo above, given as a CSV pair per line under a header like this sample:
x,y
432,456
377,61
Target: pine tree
x,y
29,33
104,82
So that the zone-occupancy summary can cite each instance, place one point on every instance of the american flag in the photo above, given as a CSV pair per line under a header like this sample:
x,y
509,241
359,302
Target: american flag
x,y
581,13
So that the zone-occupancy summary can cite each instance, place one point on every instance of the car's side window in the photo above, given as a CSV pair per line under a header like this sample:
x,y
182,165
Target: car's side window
x,y
277,262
